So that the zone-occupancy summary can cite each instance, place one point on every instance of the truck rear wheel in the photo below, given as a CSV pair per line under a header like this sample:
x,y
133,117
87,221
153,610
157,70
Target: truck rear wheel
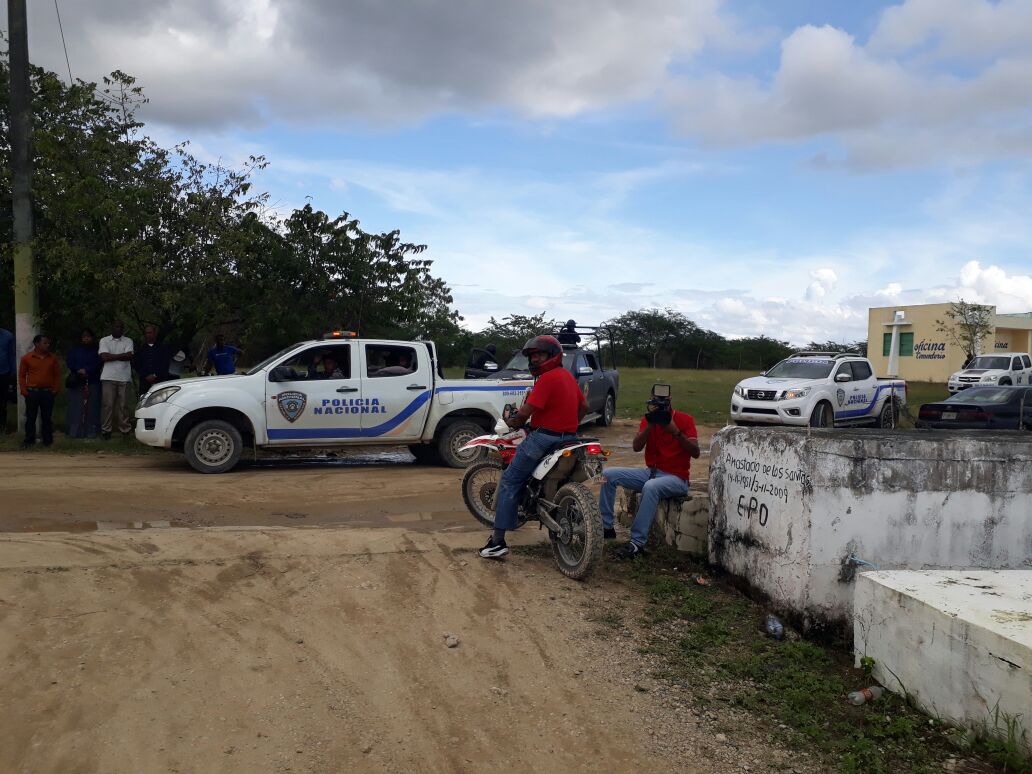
x,y
213,446
453,438
888,419
605,419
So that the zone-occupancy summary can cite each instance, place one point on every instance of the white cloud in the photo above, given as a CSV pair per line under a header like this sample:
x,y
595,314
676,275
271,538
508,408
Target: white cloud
x,y
240,62
824,281
993,285
921,90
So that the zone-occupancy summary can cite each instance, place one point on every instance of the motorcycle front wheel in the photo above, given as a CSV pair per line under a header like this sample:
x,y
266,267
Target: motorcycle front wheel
x,y
577,548
479,486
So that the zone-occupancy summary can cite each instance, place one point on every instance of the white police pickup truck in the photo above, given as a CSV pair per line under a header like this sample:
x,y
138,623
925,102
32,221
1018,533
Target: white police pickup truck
x,y
331,393
1011,368
819,389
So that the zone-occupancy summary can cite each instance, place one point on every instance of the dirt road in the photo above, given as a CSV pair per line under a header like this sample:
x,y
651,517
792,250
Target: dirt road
x,y
243,646
42,492
300,650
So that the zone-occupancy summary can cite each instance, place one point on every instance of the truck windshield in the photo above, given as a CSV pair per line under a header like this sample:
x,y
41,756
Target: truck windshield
x,y
269,359
799,368
1001,363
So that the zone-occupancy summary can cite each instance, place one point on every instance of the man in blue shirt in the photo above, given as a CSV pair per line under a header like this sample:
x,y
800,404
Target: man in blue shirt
x,y
8,372
222,357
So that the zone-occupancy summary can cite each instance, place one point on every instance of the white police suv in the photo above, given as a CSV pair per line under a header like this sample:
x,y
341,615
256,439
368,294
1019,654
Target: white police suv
x,y
1011,368
820,389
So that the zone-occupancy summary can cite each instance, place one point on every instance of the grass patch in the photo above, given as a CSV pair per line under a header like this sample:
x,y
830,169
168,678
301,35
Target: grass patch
x,y
705,636
707,394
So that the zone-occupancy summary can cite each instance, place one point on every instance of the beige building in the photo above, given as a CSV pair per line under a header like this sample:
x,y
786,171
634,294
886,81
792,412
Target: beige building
x,y
927,354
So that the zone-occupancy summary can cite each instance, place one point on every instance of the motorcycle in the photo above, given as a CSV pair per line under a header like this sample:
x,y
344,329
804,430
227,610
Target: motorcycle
x,y
555,496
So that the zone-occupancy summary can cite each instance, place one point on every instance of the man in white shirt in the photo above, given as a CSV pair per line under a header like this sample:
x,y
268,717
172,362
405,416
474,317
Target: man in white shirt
x,y
116,375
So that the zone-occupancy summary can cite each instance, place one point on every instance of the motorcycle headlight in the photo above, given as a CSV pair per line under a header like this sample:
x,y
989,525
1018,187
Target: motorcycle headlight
x,y
801,392
154,397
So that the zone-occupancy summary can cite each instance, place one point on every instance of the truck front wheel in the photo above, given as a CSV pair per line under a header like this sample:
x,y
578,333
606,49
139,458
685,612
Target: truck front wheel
x,y
213,446
821,416
453,438
425,454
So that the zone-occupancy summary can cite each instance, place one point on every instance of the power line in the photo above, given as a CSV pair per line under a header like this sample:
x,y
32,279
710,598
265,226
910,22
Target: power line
x,y
64,45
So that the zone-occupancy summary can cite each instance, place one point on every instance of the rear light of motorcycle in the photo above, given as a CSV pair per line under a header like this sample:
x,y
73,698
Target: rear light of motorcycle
x,y
594,448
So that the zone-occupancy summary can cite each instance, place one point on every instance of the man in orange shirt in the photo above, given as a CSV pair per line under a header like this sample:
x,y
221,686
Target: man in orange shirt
x,y
39,381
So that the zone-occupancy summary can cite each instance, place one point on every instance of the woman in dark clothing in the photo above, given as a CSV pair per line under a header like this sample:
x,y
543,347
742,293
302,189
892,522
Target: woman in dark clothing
x,y
84,366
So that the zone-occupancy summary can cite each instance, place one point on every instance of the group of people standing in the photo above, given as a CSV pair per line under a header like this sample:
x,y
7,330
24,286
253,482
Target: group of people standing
x,y
99,379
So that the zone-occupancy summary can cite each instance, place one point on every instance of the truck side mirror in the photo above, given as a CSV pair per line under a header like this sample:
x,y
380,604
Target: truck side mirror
x,y
584,371
842,377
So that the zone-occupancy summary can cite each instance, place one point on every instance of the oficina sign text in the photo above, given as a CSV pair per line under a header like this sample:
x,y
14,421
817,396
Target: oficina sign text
x,y
930,350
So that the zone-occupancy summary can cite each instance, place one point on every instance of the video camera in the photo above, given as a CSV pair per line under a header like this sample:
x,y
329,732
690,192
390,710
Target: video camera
x,y
660,411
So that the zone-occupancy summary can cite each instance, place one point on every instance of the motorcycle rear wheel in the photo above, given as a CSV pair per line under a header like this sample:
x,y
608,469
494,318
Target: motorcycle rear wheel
x,y
578,548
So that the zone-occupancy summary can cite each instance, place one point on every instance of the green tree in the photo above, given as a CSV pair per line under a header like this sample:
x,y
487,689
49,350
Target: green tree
x,y
651,337
513,331
836,346
128,228
967,325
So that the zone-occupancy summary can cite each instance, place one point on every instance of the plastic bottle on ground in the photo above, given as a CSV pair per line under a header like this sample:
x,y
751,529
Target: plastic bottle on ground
x,y
775,628
865,695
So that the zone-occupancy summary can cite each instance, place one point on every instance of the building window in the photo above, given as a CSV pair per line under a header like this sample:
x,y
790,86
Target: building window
x,y
906,344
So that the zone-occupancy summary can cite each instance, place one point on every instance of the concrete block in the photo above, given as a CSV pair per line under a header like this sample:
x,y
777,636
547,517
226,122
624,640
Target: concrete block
x,y
681,522
959,642
790,507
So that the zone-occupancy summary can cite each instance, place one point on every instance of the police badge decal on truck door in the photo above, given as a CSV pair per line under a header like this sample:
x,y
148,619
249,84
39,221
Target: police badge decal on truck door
x,y
291,404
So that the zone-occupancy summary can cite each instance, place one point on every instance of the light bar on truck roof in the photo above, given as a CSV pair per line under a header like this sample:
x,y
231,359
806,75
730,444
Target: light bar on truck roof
x,y
340,335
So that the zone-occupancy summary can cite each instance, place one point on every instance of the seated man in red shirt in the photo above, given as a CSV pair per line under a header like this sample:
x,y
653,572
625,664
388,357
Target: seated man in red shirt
x,y
555,407
670,443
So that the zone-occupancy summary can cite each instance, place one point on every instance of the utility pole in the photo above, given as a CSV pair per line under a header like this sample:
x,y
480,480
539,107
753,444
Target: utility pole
x,y
25,296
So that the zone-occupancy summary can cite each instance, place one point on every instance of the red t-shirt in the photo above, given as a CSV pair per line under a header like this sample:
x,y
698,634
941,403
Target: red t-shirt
x,y
664,452
555,399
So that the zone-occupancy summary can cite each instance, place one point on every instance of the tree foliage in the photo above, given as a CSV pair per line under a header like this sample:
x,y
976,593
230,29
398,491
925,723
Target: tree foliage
x,y
967,325
667,339
127,228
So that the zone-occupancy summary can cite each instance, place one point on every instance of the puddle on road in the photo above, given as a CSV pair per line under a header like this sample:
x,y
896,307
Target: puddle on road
x,y
343,459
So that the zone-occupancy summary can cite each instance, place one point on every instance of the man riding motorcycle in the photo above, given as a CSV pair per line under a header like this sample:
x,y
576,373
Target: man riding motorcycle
x,y
554,407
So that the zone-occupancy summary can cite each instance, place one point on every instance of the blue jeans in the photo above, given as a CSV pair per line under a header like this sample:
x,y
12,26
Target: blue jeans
x,y
529,453
653,489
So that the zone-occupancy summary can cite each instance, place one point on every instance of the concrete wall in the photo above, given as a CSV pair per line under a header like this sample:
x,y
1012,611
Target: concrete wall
x,y
681,522
960,642
790,506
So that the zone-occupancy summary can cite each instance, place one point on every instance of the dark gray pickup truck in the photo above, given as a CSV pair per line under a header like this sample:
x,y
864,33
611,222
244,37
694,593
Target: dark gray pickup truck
x,y
600,385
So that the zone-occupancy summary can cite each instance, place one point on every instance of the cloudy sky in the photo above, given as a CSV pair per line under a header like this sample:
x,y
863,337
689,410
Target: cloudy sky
x,y
761,167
